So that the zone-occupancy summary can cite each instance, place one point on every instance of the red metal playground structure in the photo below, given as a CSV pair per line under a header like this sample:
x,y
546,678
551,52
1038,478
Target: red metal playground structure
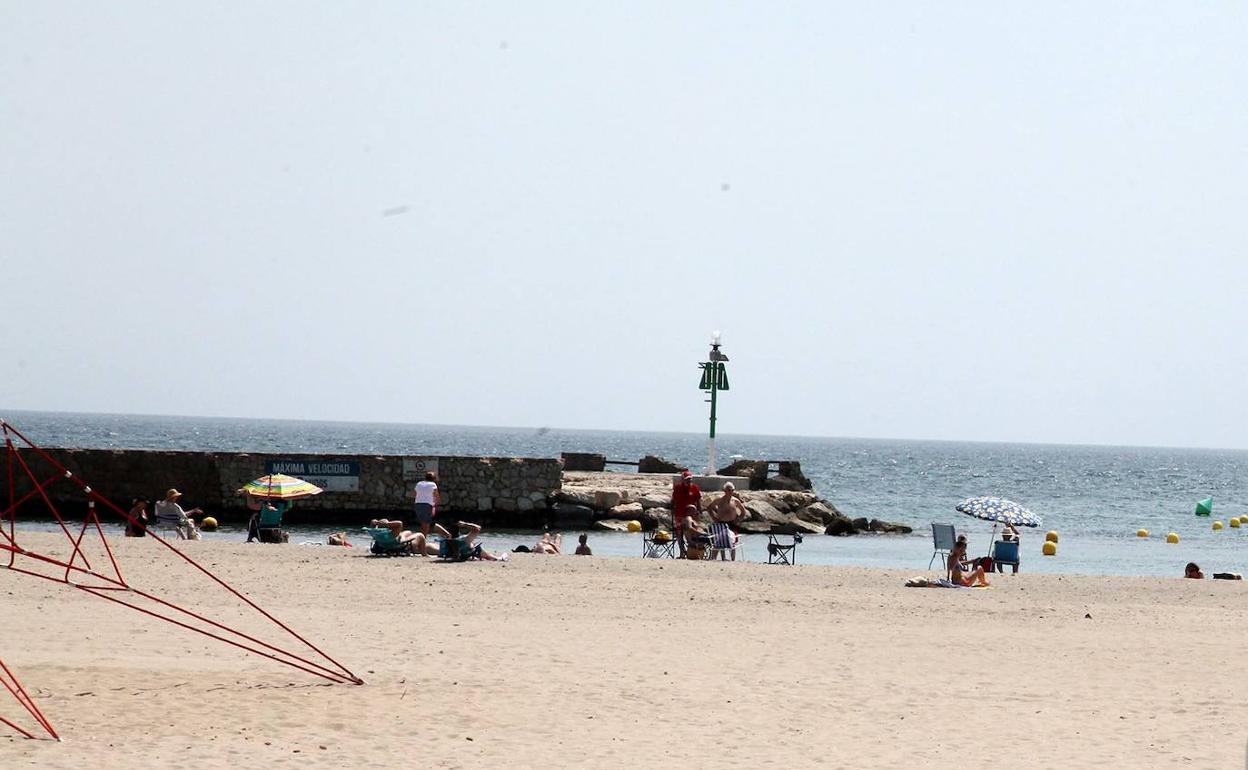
x,y
39,471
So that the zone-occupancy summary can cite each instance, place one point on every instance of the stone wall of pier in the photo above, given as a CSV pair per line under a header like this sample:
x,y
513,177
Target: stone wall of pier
x,y
502,491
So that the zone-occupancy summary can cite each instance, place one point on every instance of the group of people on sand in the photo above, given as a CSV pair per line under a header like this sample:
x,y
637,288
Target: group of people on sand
x,y
457,540
717,538
553,545
169,515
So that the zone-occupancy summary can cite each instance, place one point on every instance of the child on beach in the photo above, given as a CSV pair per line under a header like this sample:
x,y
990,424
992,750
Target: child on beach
x,y
582,548
136,526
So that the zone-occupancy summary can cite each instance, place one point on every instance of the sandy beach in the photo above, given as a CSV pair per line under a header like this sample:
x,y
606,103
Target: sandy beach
x,y
592,662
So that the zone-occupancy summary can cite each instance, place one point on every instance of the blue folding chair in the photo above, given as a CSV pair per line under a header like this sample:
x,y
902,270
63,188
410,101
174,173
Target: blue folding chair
x,y
1005,552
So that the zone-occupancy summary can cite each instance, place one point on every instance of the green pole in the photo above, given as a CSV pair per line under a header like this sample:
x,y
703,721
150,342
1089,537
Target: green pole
x,y
711,371
714,389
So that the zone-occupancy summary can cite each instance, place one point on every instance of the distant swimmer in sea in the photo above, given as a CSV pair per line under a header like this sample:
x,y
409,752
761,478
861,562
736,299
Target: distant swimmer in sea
x,y
960,571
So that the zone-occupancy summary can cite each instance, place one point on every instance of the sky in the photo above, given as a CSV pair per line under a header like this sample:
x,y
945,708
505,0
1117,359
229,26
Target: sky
x,y
987,221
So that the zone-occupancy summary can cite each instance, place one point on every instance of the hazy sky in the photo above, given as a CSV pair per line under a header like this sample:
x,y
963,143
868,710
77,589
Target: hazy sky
x,y
1020,222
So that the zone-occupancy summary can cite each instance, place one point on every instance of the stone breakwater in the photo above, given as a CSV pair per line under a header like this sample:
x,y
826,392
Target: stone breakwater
x,y
507,492
610,500
502,491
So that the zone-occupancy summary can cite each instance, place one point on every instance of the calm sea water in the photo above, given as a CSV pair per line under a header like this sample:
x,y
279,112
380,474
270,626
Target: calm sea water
x,y
1096,497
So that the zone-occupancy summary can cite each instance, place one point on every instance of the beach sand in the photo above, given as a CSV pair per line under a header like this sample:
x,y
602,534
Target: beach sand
x,y
589,662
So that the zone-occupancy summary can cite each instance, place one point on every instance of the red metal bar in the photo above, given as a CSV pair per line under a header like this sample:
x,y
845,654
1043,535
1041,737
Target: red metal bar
x,y
110,591
331,676
48,502
14,686
108,503
249,638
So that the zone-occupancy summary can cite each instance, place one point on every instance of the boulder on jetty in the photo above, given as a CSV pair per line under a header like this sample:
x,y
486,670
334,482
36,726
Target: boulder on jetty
x,y
788,476
652,464
611,500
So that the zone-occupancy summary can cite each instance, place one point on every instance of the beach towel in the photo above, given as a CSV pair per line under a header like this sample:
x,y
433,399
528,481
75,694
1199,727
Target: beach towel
x,y
922,582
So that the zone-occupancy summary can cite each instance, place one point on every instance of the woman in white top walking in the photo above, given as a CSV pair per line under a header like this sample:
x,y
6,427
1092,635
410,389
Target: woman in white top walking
x,y
427,499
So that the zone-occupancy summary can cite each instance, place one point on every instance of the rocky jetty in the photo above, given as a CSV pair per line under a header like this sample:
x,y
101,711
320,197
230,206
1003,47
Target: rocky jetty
x,y
609,501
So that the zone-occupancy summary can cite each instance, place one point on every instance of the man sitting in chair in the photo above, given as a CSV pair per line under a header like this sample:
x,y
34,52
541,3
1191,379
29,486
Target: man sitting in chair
x,y
695,538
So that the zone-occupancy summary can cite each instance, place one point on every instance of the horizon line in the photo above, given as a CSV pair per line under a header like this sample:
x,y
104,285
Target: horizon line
x,y
629,430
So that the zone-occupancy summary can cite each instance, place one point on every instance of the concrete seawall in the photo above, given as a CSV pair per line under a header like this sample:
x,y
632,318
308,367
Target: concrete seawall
x,y
503,491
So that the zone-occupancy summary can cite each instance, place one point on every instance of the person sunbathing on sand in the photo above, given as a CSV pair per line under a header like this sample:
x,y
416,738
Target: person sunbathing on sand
x,y
1192,570
458,537
582,548
549,544
958,563
416,542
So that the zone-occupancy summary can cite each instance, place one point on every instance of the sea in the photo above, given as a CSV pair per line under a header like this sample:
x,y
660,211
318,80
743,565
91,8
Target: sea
x,y
1094,497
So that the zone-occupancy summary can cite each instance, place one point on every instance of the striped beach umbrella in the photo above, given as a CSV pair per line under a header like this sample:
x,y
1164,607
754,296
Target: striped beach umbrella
x,y
279,486
999,511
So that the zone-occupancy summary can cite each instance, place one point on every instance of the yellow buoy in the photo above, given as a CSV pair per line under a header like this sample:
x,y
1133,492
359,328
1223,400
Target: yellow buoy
x,y
634,526
1217,525
1050,548
1141,533
1050,536
1172,538
208,524
1234,523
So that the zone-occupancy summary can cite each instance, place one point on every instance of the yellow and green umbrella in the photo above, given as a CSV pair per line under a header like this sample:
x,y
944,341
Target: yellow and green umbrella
x,y
279,486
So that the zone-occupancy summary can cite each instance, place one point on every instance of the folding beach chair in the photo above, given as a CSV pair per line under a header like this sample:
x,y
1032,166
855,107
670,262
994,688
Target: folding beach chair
x,y
1005,552
169,518
782,553
723,539
386,543
943,539
269,525
455,549
658,545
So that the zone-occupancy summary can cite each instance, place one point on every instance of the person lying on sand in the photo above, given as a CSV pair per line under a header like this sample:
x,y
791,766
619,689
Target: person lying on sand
x,y
549,544
1192,570
958,564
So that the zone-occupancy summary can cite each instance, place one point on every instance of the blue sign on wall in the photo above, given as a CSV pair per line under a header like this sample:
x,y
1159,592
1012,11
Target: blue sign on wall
x,y
329,475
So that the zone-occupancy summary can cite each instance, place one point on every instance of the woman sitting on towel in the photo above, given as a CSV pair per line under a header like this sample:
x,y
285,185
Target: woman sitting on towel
x,y
961,572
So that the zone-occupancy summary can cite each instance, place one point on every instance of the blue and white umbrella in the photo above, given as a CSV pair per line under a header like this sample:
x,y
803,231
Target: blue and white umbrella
x,y
999,511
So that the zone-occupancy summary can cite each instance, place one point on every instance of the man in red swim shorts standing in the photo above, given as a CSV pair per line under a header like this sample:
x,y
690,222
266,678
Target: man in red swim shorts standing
x,y
684,492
